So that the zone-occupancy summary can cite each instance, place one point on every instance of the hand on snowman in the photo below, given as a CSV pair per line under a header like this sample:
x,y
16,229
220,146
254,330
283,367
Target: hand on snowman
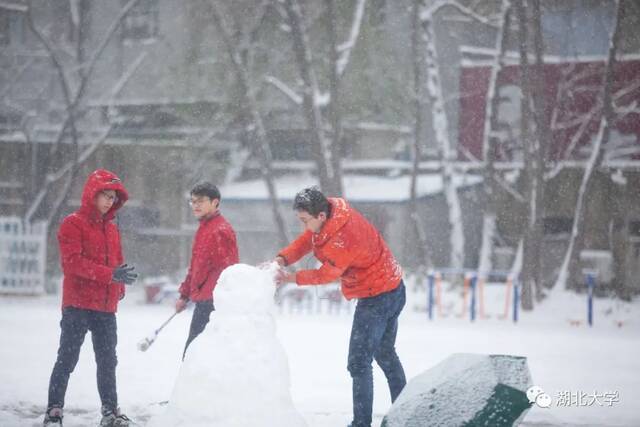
x,y
283,276
276,263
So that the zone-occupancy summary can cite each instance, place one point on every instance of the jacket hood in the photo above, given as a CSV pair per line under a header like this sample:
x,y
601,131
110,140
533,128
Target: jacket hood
x,y
340,215
101,180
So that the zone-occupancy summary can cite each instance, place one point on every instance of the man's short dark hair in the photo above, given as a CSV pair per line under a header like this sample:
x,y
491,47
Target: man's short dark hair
x,y
206,189
312,200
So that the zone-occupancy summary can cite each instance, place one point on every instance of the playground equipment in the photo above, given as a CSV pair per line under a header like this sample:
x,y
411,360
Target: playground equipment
x,y
590,281
472,289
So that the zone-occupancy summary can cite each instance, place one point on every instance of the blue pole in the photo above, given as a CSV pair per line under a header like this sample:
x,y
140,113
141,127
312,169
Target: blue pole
x,y
473,298
590,285
430,297
516,300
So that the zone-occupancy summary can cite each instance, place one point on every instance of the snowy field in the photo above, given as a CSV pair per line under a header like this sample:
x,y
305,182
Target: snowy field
x,y
563,358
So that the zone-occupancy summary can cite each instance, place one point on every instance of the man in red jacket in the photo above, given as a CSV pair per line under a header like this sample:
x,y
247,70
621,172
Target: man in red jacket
x,y
214,249
94,278
353,251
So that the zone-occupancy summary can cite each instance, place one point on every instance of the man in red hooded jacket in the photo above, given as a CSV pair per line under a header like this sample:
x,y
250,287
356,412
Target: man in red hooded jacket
x,y
214,249
94,278
353,251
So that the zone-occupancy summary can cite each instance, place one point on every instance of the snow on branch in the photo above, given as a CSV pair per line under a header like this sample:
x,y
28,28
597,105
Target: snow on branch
x,y
321,99
109,99
345,48
597,153
107,38
628,109
577,136
586,119
286,90
627,90
60,173
497,66
16,6
631,108
509,189
428,12
572,122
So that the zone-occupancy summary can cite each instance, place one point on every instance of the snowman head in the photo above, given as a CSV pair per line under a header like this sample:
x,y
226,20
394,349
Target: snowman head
x,y
243,289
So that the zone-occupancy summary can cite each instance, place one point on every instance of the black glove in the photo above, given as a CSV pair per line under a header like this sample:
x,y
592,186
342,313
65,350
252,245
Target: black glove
x,y
124,274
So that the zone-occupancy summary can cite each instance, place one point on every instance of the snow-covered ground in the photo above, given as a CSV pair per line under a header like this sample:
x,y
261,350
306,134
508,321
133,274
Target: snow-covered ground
x,y
563,357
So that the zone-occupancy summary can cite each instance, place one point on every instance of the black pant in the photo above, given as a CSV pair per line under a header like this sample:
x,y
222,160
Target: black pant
x,y
74,326
199,321
373,336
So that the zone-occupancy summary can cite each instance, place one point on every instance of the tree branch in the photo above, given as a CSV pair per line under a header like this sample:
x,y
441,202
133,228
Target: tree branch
x,y
52,178
282,87
345,48
435,7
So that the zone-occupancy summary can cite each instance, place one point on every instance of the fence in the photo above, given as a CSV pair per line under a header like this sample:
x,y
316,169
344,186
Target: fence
x,y
23,251
313,300
473,289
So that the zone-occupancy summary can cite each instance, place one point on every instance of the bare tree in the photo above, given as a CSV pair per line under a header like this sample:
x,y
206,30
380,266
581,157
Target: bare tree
x,y
73,77
326,146
535,137
536,157
239,55
490,207
320,145
446,151
447,154
569,268
420,108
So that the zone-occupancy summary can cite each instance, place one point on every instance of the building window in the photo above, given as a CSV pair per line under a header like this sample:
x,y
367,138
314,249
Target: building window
x,y
378,12
557,225
141,23
577,27
5,37
138,217
634,228
11,27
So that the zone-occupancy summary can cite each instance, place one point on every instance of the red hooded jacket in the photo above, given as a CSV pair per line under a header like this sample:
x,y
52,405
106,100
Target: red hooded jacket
x,y
214,249
349,248
90,248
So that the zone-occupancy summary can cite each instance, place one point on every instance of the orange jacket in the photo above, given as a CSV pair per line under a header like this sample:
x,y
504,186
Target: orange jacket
x,y
349,248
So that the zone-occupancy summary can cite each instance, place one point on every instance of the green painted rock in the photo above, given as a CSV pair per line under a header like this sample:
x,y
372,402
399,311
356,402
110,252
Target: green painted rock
x,y
465,390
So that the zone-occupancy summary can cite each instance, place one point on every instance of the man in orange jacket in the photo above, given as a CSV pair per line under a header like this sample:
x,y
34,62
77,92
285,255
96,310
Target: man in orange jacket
x,y
352,250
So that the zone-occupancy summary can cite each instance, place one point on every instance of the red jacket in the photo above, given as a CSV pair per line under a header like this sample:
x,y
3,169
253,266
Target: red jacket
x,y
90,248
349,248
214,249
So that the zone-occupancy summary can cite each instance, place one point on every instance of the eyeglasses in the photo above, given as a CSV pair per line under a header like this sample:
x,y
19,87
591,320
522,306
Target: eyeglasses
x,y
198,202
109,197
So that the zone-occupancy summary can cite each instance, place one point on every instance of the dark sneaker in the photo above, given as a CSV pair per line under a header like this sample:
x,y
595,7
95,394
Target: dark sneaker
x,y
114,418
53,417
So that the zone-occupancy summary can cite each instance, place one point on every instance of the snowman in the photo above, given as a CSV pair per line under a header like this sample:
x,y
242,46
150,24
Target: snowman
x,y
236,372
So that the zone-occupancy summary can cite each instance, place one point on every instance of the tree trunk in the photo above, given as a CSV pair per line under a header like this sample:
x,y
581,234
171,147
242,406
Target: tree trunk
x,y
543,136
319,144
530,261
261,141
335,113
447,154
490,208
73,96
618,243
418,133
570,266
